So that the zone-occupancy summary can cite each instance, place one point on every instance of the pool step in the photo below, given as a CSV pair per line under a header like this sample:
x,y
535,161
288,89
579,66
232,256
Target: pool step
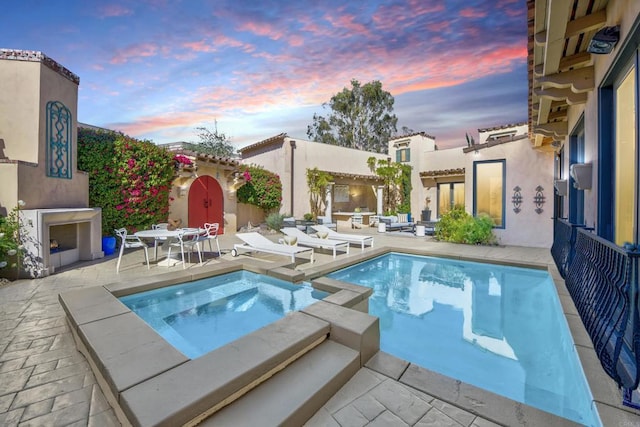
x,y
197,388
293,395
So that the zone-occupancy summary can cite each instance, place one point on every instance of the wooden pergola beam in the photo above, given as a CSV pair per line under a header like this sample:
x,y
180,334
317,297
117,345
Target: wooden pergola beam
x,y
586,23
580,79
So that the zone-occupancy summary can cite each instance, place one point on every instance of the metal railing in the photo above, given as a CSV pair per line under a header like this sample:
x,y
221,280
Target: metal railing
x,y
602,279
563,248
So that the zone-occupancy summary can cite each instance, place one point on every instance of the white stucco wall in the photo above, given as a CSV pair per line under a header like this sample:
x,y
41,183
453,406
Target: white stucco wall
x,y
276,157
526,168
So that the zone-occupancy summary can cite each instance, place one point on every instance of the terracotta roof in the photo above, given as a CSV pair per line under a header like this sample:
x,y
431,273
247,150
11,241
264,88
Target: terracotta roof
x,y
503,140
442,172
35,56
412,134
502,127
264,142
178,148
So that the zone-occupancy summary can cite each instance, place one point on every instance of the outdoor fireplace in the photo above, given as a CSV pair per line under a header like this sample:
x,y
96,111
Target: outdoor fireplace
x,y
58,237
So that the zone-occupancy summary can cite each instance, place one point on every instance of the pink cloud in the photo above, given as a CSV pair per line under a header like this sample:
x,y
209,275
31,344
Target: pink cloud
x,y
134,51
347,22
262,29
199,46
473,13
114,10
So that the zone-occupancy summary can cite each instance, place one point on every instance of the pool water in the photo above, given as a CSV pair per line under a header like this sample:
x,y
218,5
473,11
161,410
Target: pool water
x,y
200,316
496,327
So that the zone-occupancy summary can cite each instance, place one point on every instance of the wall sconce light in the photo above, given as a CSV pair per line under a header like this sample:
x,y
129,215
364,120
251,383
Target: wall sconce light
x,y
183,190
604,40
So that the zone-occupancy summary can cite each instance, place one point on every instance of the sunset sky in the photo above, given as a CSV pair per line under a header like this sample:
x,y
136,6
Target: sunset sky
x,y
157,69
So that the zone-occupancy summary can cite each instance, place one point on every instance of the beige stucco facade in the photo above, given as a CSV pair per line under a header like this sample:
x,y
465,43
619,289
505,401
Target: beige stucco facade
x,y
39,104
27,86
291,157
525,168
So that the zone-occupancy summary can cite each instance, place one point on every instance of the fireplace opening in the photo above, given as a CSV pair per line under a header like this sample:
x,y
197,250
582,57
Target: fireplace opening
x,y
63,237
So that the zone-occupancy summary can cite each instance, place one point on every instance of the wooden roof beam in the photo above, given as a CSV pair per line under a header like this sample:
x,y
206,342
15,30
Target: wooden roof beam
x,y
557,94
580,79
586,23
577,60
554,130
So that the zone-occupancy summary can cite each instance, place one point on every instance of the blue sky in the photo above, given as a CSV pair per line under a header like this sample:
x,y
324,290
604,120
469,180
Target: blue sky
x,y
157,69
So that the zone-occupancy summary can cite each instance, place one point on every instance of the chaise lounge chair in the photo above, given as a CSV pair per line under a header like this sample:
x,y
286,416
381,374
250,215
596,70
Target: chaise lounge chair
x,y
316,242
257,242
351,238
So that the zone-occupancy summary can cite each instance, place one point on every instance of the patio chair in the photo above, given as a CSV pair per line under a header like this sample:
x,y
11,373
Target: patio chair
x,y
188,238
351,238
257,242
159,226
305,239
212,234
356,220
129,241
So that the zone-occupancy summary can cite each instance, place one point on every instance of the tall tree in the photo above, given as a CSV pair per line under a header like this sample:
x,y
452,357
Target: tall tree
x,y
212,142
361,117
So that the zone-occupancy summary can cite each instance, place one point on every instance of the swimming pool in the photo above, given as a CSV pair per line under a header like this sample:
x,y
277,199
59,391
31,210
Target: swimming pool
x,y
496,327
200,316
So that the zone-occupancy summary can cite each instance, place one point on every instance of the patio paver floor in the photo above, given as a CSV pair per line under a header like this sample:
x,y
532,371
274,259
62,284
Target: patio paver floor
x,y
44,380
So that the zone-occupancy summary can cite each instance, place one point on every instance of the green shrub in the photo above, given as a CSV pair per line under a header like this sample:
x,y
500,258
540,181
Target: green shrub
x,y
262,188
11,248
129,179
274,221
459,227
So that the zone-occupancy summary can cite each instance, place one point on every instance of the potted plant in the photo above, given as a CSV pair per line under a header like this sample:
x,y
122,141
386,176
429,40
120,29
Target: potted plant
x,y
426,212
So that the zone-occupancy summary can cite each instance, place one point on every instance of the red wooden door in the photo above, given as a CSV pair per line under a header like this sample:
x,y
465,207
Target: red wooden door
x,y
206,202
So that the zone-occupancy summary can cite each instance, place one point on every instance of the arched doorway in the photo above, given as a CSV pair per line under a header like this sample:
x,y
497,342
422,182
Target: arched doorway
x,y
206,202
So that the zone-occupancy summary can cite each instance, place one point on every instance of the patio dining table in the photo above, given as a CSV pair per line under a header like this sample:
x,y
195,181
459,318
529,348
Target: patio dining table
x,y
167,236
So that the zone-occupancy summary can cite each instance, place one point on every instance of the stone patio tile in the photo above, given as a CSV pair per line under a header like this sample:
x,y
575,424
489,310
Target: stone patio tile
x,y
349,416
5,401
63,340
98,402
75,397
65,417
11,418
362,382
39,333
481,422
9,324
388,419
56,374
18,346
48,356
400,401
386,364
73,359
104,419
368,406
435,418
12,365
37,409
463,417
322,418
22,354
44,367
42,342
46,391
15,380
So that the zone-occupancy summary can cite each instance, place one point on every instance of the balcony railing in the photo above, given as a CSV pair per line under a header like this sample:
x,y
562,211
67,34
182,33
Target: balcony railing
x,y
563,248
602,279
